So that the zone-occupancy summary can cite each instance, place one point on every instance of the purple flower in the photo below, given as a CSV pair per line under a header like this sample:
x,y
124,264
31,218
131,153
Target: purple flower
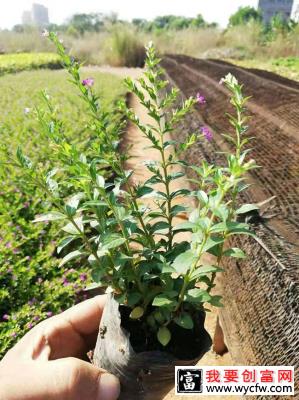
x,y
8,245
30,325
13,334
200,99
88,82
83,277
207,133
36,318
5,317
32,301
49,314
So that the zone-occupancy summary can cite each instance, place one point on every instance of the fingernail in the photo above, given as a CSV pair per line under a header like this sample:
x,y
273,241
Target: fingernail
x,y
109,387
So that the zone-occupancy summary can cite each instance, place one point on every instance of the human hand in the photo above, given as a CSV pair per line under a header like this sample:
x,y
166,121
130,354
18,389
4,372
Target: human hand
x,y
47,363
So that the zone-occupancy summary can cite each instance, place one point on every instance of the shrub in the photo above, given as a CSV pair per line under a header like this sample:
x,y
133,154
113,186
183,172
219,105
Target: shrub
x,y
26,61
124,48
245,15
129,244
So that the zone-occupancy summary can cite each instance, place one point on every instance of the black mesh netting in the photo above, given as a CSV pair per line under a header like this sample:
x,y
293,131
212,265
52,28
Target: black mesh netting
x,y
261,293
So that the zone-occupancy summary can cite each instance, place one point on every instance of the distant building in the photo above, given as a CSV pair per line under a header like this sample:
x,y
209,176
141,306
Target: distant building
x,y
26,18
37,16
40,14
270,8
295,11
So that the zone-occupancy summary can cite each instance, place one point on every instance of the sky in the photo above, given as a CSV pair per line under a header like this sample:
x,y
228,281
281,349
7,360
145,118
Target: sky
x,y
59,10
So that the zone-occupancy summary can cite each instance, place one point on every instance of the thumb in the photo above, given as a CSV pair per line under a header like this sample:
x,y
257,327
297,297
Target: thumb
x,y
79,380
66,378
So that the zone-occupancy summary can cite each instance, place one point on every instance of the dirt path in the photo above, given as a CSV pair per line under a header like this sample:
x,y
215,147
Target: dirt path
x,y
274,125
140,152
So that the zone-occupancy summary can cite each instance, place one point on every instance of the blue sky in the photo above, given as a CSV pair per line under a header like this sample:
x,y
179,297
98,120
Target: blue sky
x,y
60,10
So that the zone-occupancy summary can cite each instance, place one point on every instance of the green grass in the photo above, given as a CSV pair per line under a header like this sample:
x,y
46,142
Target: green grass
x,y
32,286
10,63
22,91
287,67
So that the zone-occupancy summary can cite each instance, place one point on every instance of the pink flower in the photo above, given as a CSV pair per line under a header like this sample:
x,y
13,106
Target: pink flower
x,y
88,82
49,314
5,317
83,277
200,99
206,133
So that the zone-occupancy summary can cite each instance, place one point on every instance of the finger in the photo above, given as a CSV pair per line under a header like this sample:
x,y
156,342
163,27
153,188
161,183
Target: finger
x,y
67,379
85,317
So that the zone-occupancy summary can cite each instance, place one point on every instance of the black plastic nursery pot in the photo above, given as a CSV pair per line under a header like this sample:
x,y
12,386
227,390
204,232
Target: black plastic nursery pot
x,y
145,375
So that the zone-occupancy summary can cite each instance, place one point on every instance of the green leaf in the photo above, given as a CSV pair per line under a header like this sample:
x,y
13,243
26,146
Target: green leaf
x,y
143,191
177,209
163,301
95,203
98,273
24,160
51,216
215,301
197,295
202,197
239,228
184,261
71,228
137,312
180,192
235,252
246,208
160,225
164,335
185,321
166,268
220,227
185,226
113,243
73,203
203,270
175,175
71,256
100,181
133,298
64,242
211,242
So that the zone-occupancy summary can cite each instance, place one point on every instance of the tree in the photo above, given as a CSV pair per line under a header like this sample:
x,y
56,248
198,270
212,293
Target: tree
x,y
244,15
198,22
87,22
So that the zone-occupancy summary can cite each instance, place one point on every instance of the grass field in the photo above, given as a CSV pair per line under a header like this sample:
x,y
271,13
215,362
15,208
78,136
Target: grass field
x,y
287,67
10,63
29,272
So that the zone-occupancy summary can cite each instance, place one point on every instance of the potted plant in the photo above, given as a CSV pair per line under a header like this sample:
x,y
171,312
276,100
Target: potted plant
x,y
158,288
